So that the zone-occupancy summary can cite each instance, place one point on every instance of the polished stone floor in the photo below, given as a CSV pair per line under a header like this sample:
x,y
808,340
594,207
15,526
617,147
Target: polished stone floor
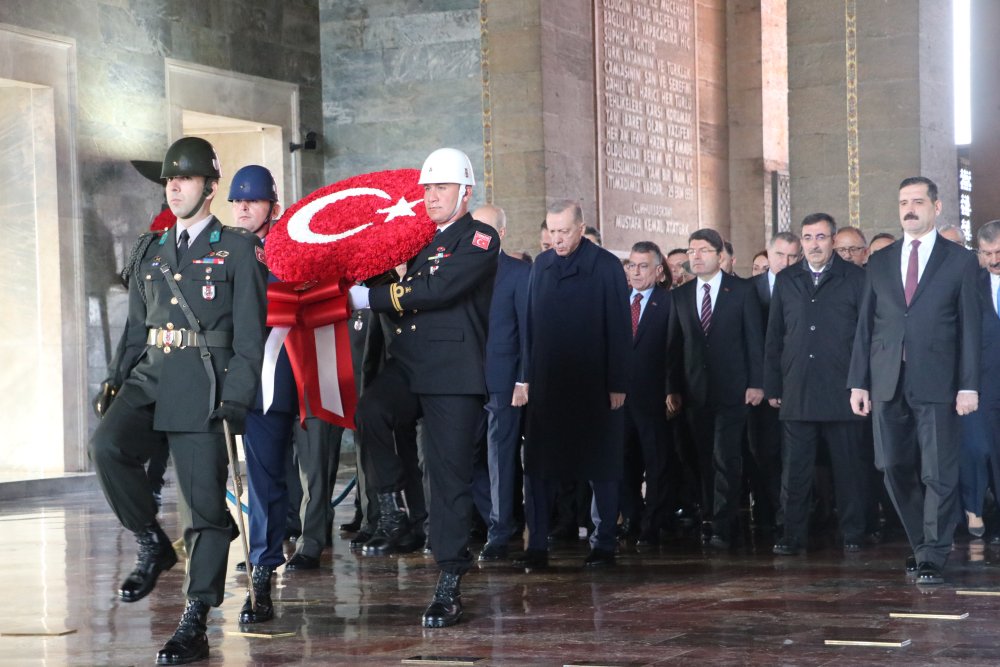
x,y
63,557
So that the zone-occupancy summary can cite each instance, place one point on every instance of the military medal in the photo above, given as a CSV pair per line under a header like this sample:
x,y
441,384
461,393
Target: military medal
x,y
221,253
208,292
433,269
358,325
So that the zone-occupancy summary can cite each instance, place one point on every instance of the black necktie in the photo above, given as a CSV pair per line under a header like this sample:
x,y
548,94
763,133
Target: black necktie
x,y
182,245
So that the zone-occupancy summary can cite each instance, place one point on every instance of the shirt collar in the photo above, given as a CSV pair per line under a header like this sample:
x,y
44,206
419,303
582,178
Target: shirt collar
x,y
715,282
645,294
194,230
926,241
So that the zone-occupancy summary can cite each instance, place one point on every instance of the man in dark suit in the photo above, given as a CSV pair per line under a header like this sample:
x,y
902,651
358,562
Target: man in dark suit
x,y
915,364
648,438
716,346
577,356
763,429
505,383
981,429
813,316
441,310
194,350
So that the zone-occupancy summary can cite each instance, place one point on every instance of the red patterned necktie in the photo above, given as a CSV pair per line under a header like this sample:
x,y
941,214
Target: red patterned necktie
x,y
910,288
635,313
706,309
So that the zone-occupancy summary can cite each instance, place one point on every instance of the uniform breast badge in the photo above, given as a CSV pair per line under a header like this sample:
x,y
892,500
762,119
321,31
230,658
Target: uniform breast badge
x,y
208,292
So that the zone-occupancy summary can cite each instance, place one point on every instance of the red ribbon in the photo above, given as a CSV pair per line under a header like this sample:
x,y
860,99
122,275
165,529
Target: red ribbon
x,y
305,307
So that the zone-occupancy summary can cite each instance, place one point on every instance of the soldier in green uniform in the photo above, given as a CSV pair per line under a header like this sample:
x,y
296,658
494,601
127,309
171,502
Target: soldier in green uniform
x,y
192,358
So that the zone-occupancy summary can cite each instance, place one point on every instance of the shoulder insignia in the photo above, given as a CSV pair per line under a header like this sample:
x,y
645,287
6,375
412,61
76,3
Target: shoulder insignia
x,y
215,236
481,240
163,237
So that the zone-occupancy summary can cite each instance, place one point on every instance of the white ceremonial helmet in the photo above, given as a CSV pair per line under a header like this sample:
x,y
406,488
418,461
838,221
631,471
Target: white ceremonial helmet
x,y
447,165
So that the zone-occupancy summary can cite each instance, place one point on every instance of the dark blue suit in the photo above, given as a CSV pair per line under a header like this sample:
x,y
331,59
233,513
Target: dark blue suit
x,y
494,490
648,438
981,429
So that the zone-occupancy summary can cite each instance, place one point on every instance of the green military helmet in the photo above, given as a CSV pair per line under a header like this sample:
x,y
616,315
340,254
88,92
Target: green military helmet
x,y
190,156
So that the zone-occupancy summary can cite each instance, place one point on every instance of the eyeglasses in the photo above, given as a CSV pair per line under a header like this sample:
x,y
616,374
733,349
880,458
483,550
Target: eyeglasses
x,y
700,251
851,250
631,266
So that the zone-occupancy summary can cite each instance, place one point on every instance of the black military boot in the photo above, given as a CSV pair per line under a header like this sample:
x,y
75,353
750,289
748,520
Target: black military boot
x,y
261,582
156,555
189,643
393,526
446,607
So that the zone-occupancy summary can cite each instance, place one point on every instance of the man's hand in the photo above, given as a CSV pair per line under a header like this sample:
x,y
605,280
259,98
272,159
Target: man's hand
x,y
966,402
774,402
861,404
520,395
673,403
358,295
234,413
754,396
617,400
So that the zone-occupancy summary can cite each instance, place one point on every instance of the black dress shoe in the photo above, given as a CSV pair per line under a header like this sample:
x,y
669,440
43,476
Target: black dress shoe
x,y
189,643
786,547
911,564
301,562
719,542
392,529
264,609
599,558
446,607
156,555
354,525
929,573
532,559
359,540
852,547
493,552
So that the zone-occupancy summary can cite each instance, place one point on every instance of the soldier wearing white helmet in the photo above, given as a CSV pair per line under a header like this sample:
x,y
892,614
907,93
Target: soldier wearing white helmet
x,y
438,314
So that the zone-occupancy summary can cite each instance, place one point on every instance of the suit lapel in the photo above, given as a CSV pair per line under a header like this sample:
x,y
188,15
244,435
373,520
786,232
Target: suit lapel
x,y
647,314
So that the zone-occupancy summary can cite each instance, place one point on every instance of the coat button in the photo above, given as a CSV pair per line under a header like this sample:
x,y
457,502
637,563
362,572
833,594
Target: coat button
x,y
170,325
409,278
398,331
173,300
149,277
208,269
166,349
177,276
414,311
812,327
413,327
812,356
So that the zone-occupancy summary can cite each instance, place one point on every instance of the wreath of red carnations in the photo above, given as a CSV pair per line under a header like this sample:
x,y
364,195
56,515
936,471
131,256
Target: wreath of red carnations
x,y
356,228
165,219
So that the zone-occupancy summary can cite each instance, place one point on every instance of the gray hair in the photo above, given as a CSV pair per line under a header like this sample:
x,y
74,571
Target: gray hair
x,y
787,237
990,232
561,205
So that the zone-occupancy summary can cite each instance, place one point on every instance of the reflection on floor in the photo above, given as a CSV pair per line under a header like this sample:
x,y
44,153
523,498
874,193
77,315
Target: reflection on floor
x,y
64,556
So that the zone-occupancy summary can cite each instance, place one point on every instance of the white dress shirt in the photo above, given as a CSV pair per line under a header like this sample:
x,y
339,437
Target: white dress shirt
x,y
193,230
923,253
714,283
642,304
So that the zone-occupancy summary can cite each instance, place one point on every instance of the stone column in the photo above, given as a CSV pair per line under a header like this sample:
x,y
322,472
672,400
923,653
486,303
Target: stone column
x,y
758,119
904,115
985,114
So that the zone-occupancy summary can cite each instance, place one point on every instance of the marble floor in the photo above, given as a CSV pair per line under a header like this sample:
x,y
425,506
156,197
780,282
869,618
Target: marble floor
x,y
63,557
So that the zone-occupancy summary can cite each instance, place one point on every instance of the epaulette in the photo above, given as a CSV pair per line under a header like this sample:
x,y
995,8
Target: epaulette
x,y
238,231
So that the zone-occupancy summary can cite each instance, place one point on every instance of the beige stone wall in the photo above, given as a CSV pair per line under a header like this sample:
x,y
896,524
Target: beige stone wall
x,y
513,32
713,128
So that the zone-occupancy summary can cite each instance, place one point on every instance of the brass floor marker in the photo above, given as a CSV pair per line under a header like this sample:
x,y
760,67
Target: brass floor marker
x,y
933,617
33,632
855,642
982,593
260,635
440,660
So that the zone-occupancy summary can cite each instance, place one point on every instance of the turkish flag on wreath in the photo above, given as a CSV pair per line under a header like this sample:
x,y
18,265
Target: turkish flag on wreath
x,y
349,231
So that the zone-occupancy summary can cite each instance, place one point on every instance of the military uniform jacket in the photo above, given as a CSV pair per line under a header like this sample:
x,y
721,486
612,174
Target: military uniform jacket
x,y
440,310
810,333
222,278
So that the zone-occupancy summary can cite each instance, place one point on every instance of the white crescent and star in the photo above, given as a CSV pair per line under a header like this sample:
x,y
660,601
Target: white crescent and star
x,y
298,225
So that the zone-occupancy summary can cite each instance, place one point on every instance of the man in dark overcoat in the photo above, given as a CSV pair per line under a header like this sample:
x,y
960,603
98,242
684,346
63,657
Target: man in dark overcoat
x,y
578,356
813,315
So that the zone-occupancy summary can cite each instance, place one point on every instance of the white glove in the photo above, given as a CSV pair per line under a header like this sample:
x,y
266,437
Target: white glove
x,y
359,297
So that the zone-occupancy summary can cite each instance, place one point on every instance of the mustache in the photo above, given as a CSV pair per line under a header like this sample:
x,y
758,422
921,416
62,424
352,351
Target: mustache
x,y
910,216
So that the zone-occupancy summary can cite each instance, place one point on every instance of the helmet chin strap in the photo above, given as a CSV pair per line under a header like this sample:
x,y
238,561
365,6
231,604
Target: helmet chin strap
x,y
267,218
458,204
205,192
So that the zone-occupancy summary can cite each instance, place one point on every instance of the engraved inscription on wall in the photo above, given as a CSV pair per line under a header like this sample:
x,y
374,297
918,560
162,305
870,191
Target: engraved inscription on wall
x,y
647,121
